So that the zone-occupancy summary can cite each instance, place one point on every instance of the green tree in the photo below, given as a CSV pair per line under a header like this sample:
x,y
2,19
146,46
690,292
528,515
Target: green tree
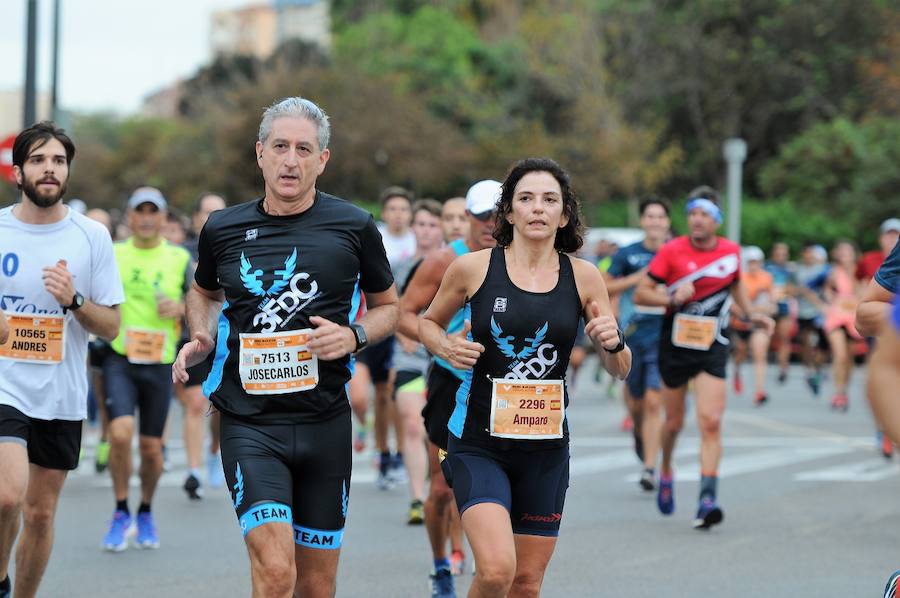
x,y
763,70
844,169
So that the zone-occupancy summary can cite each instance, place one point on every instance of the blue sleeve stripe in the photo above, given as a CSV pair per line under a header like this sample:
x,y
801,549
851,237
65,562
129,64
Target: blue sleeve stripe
x,y
456,324
214,379
355,300
458,418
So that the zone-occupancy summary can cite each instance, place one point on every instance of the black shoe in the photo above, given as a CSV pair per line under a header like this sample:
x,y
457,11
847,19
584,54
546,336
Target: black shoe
x,y
648,480
708,515
192,487
638,444
782,377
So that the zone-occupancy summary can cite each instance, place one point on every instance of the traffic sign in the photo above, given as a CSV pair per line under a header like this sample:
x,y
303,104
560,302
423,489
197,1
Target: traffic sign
x,y
6,159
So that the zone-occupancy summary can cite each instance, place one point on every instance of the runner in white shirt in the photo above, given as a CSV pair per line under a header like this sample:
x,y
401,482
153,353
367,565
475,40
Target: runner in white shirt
x,y
58,283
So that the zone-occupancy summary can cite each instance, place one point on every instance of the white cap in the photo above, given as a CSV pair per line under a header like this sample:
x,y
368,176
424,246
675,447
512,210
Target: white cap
x,y
483,196
752,253
820,252
144,195
891,224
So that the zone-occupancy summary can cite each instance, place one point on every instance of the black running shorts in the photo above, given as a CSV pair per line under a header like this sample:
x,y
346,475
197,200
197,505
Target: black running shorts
x,y
531,485
147,387
379,358
291,473
441,400
197,374
52,444
677,366
98,351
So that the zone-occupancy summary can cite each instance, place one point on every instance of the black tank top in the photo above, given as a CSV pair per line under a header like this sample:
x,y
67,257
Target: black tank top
x,y
526,336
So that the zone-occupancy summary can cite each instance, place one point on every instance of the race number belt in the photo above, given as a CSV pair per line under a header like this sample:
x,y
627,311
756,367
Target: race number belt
x,y
277,362
694,332
143,346
527,409
35,339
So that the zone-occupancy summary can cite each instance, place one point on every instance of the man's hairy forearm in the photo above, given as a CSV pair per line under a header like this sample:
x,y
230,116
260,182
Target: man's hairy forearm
x,y
202,313
380,322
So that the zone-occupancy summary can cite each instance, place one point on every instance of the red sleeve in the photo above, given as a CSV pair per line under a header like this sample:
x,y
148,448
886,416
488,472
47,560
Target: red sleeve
x,y
861,268
660,268
869,264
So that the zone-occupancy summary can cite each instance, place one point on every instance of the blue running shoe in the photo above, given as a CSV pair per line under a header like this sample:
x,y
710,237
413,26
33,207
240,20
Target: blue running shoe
x,y
892,589
116,539
442,584
665,497
708,514
146,531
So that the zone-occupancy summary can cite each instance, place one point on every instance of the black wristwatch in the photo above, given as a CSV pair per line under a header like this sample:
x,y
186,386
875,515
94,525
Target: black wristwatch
x,y
362,340
77,302
620,346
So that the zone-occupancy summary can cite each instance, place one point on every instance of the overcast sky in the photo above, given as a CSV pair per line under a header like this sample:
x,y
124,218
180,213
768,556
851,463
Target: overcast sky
x,y
112,52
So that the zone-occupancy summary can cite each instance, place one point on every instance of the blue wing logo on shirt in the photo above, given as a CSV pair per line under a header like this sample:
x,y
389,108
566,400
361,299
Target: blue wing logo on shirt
x,y
505,343
250,277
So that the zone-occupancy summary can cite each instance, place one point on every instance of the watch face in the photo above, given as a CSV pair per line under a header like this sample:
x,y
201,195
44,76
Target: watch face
x,y
360,333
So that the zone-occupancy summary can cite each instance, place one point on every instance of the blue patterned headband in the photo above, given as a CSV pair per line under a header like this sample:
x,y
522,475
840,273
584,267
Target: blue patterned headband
x,y
707,206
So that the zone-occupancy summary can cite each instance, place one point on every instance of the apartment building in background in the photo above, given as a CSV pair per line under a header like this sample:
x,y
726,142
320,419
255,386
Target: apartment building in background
x,y
258,29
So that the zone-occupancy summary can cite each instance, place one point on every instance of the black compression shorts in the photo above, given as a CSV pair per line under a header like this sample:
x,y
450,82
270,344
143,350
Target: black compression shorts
x,y
531,485
145,386
291,473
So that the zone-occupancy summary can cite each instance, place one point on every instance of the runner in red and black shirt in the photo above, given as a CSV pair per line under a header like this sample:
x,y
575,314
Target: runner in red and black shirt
x,y
701,274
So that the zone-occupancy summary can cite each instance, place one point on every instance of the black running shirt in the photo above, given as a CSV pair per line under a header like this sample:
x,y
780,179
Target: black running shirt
x,y
277,272
526,336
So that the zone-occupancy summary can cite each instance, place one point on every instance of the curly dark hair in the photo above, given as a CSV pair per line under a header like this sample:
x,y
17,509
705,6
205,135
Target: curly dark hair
x,y
569,238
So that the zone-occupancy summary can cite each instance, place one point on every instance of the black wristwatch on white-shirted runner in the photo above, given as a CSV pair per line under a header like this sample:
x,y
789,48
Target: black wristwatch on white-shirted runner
x,y
77,301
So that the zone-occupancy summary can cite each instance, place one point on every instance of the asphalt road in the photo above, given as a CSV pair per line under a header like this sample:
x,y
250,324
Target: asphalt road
x,y
811,509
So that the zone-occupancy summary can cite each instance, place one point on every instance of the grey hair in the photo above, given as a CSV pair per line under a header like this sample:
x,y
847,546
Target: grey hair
x,y
300,108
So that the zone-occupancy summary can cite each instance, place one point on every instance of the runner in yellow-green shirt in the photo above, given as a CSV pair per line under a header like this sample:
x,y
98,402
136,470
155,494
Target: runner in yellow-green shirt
x,y
155,275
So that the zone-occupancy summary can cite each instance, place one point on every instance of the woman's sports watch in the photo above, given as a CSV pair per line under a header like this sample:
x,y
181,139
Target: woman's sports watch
x,y
362,340
620,346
